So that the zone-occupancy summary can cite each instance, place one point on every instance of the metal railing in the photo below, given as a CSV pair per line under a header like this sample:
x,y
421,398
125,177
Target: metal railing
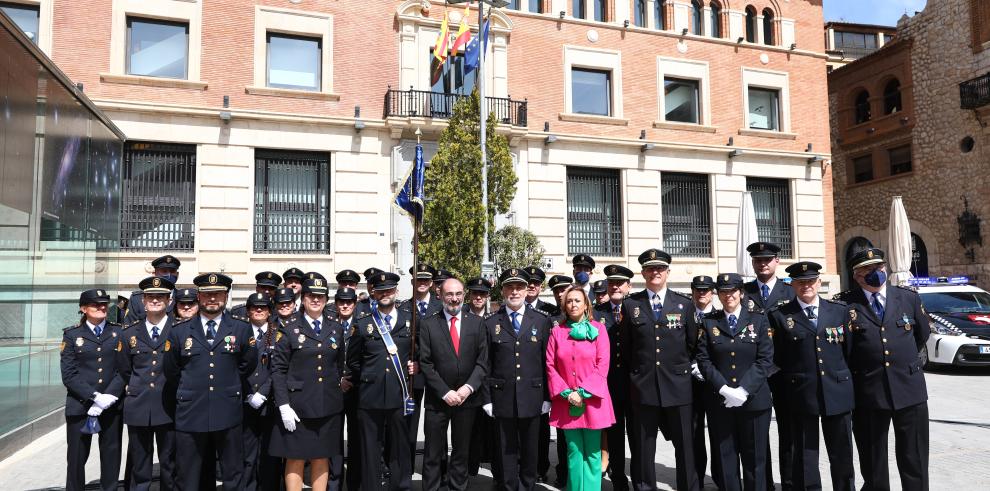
x,y
159,197
440,105
686,214
772,207
594,212
975,92
292,202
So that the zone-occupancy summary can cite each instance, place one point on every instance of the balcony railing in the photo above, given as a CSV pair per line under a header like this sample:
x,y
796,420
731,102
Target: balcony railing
x,y
423,103
975,92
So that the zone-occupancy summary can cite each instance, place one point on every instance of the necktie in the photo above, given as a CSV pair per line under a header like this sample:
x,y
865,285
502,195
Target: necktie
x,y
98,331
700,316
154,333
345,324
388,322
210,330
732,324
810,310
877,306
764,292
422,309
316,327
657,307
515,322
454,338
617,312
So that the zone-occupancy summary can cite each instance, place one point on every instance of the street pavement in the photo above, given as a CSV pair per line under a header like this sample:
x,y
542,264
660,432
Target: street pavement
x,y
959,407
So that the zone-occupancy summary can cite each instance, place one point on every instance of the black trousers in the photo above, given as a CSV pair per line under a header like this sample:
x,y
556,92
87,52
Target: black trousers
x,y
140,452
871,427
837,433
647,420
740,437
381,429
518,441
192,453
785,447
413,422
698,435
461,423
616,436
78,446
543,452
352,475
262,472
485,446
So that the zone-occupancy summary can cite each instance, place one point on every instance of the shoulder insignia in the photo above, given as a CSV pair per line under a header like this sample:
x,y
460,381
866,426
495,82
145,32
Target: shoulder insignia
x,y
490,314
278,336
132,324
773,309
112,323
540,311
841,295
908,288
182,321
682,294
835,301
362,316
237,317
714,314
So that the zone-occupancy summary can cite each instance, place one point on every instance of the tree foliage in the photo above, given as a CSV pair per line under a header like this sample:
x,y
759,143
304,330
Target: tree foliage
x,y
515,247
453,225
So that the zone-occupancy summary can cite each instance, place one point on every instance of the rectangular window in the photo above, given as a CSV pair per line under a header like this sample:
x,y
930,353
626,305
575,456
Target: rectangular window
x,y
157,48
536,6
591,91
513,4
594,212
291,202
900,159
772,206
25,16
294,62
159,197
639,13
863,168
680,100
764,109
577,9
599,6
686,214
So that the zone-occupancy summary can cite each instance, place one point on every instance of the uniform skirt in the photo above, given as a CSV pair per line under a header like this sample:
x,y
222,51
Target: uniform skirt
x,y
314,438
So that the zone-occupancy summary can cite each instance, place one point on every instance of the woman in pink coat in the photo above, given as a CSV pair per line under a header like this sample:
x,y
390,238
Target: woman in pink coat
x,y
577,369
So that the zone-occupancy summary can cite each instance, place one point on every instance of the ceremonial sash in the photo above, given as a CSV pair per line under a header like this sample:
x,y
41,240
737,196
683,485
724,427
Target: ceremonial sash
x,y
393,351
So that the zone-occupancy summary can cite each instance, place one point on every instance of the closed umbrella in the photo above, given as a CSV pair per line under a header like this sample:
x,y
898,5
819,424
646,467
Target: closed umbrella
x,y
899,240
746,234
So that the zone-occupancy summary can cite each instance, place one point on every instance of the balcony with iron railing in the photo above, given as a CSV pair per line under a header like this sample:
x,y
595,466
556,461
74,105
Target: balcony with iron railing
x,y
438,105
975,93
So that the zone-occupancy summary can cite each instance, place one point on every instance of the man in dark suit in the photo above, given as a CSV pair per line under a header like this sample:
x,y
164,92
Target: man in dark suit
x,y
535,288
609,313
208,357
659,334
811,345
453,358
264,282
889,328
517,380
165,267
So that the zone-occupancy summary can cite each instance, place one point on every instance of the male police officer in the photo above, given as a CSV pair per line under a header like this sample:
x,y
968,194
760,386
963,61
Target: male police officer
x,y
533,290
264,282
165,267
702,294
478,294
208,358
583,266
292,278
345,303
889,328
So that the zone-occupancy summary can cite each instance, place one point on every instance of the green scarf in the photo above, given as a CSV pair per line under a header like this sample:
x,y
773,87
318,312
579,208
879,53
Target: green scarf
x,y
583,330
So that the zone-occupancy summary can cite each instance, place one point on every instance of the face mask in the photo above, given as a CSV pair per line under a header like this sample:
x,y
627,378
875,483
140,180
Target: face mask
x,y
170,277
876,278
582,277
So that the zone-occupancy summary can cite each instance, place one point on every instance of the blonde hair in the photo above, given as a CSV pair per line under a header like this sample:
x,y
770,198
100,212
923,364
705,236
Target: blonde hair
x,y
584,297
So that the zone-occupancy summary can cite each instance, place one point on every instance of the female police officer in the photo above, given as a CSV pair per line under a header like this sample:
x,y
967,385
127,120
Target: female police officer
x,y
307,365
735,355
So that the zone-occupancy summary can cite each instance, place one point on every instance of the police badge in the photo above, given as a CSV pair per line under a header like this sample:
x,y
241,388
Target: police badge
x,y
790,323
635,311
852,314
79,342
302,338
132,342
370,329
498,329
168,345
187,344
716,332
750,305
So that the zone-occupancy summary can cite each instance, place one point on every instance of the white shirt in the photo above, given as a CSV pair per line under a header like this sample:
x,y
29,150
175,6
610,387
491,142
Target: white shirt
x,y
804,307
311,320
456,325
425,300
259,331
92,327
148,325
882,298
204,319
707,310
770,284
662,294
522,313
736,313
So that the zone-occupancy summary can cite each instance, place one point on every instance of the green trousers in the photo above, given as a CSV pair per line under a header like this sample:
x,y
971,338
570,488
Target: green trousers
x,y
584,460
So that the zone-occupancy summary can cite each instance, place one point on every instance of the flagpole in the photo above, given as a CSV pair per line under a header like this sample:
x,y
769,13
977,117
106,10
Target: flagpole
x,y
416,228
487,268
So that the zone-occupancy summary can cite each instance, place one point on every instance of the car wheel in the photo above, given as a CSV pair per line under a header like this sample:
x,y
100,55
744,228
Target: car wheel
x,y
923,359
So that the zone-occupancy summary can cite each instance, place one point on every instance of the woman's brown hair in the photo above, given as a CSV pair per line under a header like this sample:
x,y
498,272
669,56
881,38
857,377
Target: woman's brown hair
x,y
584,297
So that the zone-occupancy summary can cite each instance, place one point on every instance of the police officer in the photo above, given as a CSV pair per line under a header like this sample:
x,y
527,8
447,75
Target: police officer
x,y
165,267
347,278
93,387
292,278
702,294
307,367
609,313
186,305
478,295
378,357
558,286
484,446
261,470
811,345
889,328
364,304
424,303
583,265
600,290
264,282
517,379
149,405
208,359
285,306
735,355
533,290
659,334
440,275
345,303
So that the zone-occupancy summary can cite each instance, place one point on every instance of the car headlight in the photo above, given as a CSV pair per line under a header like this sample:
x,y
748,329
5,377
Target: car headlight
x,y
943,326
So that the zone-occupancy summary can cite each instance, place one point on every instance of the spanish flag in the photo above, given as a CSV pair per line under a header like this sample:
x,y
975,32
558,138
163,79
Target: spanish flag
x,y
463,32
440,49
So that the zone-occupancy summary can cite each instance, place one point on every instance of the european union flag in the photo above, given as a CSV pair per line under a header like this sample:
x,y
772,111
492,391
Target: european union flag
x,y
409,199
472,54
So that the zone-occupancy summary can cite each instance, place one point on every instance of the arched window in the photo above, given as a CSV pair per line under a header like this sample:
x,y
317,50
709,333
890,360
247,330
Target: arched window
x,y
697,20
659,15
639,13
919,256
750,24
862,107
716,14
768,38
892,97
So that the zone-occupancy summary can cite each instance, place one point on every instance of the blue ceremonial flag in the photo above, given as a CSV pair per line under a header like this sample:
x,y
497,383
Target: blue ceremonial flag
x,y
472,54
409,198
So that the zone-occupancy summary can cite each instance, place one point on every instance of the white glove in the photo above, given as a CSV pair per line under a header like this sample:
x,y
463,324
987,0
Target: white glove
x,y
546,407
256,400
94,410
733,398
104,400
488,409
289,418
697,372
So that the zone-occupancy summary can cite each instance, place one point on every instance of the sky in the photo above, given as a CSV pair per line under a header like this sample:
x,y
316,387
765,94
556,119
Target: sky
x,y
880,12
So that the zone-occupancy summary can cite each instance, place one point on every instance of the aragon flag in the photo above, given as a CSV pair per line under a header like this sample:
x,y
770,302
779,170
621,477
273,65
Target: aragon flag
x,y
409,199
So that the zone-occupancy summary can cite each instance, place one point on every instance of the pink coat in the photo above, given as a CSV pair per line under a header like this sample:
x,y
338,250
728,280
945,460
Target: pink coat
x,y
572,364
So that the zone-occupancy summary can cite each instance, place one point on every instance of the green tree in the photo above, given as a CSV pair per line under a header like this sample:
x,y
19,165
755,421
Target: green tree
x,y
454,221
515,247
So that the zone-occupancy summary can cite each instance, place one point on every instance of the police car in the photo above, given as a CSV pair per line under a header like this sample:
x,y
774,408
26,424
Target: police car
x,y
960,321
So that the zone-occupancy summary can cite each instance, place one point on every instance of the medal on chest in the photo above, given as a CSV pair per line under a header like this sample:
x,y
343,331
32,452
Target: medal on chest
x,y
907,322
533,337
674,321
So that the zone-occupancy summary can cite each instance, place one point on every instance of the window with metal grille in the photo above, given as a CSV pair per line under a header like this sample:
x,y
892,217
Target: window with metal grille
x,y
594,212
772,206
686,212
291,202
159,197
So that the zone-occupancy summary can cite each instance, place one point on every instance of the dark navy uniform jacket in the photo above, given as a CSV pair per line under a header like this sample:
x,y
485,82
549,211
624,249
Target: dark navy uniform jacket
x,y
517,369
886,371
445,370
306,368
659,352
260,380
371,366
149,400
549,308
779,295
813,360
744,360
210,379
618,375
88,366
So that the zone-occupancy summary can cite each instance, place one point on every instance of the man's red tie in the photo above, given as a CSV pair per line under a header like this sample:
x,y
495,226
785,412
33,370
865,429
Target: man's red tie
x,y
454,338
